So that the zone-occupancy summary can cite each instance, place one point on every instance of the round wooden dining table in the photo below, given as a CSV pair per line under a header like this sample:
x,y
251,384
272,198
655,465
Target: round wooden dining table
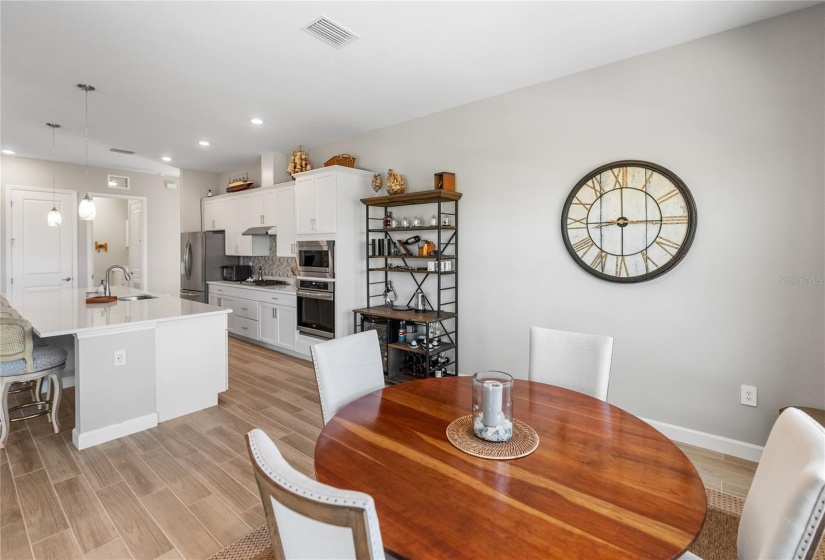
x,y
601,484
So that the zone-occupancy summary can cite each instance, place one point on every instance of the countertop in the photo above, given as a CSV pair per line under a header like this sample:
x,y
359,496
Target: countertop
x,y
66,311
289,289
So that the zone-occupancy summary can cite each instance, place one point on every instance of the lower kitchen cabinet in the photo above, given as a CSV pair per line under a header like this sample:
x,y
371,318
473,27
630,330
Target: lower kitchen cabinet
x,y
258,314
277,325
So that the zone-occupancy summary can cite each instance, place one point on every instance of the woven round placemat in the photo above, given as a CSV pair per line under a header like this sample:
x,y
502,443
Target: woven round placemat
x,y
525,440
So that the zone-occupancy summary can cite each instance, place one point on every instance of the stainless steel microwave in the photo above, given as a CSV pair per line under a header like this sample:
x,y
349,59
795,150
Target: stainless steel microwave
x,y
316,259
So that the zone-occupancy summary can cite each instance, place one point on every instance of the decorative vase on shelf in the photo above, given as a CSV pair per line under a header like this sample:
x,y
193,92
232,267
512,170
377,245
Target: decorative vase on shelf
x,y
377,184
395,183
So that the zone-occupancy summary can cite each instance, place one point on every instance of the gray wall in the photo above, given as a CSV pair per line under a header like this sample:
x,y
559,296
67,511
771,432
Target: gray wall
x,y
253,171
739,117
194,185
162,211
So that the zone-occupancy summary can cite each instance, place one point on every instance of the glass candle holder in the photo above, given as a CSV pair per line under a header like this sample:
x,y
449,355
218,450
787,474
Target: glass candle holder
x,y
492,405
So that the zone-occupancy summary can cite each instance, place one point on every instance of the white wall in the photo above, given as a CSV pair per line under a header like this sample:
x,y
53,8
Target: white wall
x,y
253,171
194,185
739,117
109,226
162,211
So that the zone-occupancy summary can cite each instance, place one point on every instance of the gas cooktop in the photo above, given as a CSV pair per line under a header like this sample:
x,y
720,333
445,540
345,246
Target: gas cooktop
x,y
250,282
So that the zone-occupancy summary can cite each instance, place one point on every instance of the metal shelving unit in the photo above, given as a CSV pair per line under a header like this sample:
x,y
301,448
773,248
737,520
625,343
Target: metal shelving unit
x,y
442,309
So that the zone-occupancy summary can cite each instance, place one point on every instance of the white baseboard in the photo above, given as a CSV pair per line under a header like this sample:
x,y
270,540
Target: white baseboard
x,y
108,433
712,442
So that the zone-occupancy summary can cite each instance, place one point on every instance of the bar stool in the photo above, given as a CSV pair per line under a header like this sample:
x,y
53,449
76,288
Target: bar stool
x,y
20,362
34,386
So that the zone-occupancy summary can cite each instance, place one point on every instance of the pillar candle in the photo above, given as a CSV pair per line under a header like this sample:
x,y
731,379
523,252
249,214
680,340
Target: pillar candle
x,y
492,403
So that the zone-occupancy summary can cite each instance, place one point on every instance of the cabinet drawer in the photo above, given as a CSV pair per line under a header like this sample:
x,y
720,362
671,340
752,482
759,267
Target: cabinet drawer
x,y
287,300
246,308
246,327
231,291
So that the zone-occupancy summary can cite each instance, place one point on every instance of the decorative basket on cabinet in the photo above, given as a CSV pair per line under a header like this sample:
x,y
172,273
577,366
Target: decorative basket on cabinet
x,y
344,160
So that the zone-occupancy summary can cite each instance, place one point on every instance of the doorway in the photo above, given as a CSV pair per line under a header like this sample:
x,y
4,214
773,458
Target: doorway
x,y
116,237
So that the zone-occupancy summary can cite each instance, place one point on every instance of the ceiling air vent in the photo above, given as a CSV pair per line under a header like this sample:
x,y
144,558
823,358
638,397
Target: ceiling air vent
x,y
331,33
119,151
118,182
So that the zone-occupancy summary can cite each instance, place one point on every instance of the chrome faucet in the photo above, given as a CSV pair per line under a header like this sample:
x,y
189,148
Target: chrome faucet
x,y
106,290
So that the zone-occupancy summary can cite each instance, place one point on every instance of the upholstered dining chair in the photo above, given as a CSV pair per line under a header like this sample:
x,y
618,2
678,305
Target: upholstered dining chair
x,y
580,362
20,362
346,369
308,519
783,513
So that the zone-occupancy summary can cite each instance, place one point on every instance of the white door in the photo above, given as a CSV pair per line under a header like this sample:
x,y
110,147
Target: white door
x,y
136,243
42,257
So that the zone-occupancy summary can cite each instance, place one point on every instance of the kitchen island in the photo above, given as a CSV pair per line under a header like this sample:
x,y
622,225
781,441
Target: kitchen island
x,y
136,363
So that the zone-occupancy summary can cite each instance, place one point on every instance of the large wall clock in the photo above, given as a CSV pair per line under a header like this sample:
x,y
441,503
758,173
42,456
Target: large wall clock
x,y
628,221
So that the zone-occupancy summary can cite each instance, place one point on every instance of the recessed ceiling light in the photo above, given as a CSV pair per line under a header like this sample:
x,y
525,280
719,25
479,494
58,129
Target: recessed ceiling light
x,y
203,143
256,121
9,152
166,158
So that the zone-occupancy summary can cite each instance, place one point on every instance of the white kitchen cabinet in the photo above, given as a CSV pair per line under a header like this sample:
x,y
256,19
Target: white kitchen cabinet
x,y
269,217
277,325
229,303
214,214
315,203
242,213
285,220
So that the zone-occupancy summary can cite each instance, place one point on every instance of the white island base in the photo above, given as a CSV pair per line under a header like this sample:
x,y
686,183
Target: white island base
x,y
172,368
136,363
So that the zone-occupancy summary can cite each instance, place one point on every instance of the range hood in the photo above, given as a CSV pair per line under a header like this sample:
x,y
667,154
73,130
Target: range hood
x,y
261,230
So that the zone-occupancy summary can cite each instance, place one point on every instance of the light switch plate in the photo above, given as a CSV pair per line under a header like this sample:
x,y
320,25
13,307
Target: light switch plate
x,y
120,357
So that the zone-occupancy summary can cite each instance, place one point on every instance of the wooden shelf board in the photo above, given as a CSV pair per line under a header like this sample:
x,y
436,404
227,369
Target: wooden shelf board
x,y
433,351
411,271
415,228
421,197
430,257
406,315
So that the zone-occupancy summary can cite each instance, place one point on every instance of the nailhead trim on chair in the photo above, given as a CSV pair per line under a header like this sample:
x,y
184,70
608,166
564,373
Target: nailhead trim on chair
x,y
317,382
253,445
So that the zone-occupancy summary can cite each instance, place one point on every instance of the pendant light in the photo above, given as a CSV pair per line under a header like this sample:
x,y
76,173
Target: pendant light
x,y
54,218
87,209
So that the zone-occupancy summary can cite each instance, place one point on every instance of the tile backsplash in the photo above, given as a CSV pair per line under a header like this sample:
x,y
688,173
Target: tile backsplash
x,y
274,265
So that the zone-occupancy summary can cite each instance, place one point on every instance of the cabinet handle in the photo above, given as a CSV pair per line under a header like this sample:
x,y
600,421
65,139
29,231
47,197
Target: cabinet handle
x,y
274,312
262,219
244,308
244,328
313,224
213,224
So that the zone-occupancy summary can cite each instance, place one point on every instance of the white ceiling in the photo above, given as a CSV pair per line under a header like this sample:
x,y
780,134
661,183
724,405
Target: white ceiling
x,y
171,73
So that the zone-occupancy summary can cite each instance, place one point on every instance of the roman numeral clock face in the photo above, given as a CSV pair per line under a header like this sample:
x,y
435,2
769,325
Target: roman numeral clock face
x,y
628,221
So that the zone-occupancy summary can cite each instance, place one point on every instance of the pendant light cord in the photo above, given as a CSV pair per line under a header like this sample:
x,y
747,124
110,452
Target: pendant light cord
x,y
86,94
54,172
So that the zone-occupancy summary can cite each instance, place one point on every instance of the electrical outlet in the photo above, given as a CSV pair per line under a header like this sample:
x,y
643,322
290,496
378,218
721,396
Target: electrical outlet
x,y
120,357
748,395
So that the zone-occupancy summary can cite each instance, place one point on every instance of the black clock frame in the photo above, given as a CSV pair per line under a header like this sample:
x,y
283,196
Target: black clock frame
x,y
680,254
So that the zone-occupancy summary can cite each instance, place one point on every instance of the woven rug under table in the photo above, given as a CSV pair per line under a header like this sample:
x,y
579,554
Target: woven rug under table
x,y
717,541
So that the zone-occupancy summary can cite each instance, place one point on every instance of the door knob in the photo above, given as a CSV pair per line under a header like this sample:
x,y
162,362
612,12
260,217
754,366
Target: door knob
x,y
66,279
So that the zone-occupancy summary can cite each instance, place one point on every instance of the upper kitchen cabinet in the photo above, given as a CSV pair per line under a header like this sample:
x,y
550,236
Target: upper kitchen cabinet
x,y
318,194
242,213
285,220
214,214
315,203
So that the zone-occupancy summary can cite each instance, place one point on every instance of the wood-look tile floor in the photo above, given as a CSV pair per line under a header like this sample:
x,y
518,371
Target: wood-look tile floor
x,y
184,489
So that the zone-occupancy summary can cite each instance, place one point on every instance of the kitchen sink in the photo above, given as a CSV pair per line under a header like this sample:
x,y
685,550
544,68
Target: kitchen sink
x,y
136,298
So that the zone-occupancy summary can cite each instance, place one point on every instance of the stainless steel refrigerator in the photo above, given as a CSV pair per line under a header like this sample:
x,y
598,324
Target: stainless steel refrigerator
x,y
202,256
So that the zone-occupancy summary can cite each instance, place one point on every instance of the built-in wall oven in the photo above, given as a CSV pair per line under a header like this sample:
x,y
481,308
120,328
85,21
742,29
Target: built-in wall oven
x,y
316,259
316,307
